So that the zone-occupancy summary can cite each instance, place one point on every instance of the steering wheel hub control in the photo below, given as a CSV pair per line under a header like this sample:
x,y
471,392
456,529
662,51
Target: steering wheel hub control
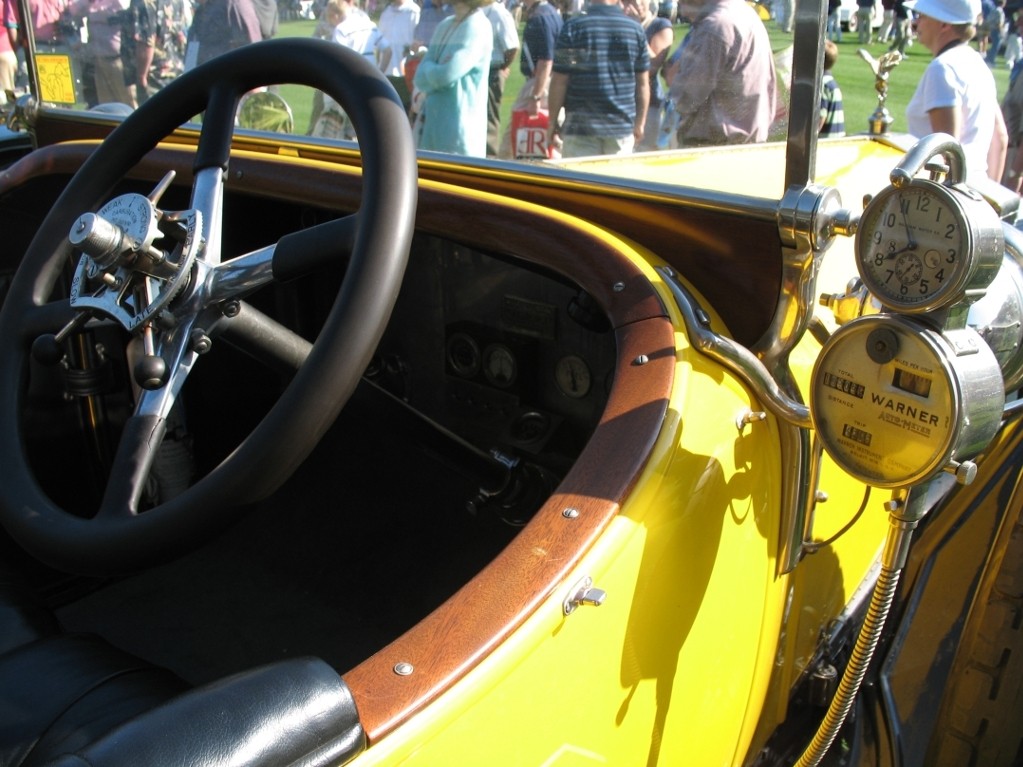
x,y
122,274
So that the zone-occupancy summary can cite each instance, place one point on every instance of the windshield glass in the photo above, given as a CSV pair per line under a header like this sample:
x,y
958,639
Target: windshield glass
x,y
481,81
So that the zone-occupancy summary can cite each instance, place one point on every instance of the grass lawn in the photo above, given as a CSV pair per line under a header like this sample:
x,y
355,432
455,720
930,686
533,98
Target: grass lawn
x,y
853,74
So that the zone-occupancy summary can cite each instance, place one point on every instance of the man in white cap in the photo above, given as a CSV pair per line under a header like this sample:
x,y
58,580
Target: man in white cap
x,y
957,94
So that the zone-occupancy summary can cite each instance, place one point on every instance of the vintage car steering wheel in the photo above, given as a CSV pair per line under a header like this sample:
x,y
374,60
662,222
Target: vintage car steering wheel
x,y
118,537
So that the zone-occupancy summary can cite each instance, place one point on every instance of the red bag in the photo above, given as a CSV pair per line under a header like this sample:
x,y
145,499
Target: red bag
x,y
529,134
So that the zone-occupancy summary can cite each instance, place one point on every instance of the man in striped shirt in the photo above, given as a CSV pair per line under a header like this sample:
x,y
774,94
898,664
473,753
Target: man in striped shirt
x,y
600,77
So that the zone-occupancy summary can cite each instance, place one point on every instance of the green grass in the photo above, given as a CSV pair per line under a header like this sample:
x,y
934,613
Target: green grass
x,y
853,74
299,98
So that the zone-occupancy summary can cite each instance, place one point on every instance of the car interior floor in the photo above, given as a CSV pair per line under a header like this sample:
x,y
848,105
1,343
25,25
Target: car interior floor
x,y
364,540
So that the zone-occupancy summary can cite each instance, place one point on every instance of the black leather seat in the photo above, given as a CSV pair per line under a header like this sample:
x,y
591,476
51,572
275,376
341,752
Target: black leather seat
x,y
72,699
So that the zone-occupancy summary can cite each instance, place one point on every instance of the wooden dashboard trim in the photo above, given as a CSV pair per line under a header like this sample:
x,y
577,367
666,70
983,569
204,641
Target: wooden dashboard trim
x,y
461,632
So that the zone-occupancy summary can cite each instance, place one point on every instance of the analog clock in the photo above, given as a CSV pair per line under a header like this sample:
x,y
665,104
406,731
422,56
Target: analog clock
x,y
922,246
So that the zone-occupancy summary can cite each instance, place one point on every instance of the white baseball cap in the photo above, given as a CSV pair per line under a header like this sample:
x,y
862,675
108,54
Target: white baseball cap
x,y
947,11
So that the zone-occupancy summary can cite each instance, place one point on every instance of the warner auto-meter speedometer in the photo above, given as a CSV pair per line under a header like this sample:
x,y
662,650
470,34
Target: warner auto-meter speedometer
x,y
922,245
894,401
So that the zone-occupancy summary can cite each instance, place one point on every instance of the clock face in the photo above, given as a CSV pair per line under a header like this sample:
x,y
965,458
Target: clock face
x,y
914,247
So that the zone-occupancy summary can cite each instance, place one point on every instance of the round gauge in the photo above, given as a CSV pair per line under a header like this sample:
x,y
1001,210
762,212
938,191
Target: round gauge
x,y
500,366
573,376
530,426
463,355
922,245
894,402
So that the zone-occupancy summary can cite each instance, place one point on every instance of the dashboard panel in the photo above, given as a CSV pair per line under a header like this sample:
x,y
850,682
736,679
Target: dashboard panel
x,y
509,358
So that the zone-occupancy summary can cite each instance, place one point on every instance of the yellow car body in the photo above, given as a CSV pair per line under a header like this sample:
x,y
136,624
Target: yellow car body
x,y
687,588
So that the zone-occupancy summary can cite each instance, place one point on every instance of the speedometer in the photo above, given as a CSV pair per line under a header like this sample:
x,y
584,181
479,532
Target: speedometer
x,y
894,401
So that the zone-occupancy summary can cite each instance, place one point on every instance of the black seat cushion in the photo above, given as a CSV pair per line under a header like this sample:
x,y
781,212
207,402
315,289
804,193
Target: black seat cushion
x,y
62,692
23,618
294,712
73,700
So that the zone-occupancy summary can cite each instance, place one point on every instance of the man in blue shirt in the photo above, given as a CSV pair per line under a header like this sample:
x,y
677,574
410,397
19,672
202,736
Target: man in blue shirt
x,y
600,78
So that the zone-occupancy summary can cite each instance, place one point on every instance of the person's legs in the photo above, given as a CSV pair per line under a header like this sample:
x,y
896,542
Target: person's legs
x,y
624,145
581,146
498,77
8,73
652,129
110,85
863,20
587,146
402,88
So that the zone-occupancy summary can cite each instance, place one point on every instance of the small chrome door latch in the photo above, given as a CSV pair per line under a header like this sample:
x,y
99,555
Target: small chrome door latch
x,y
583,593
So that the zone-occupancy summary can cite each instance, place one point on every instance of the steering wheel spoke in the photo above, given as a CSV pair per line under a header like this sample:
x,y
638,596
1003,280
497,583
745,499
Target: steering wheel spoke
x,y
208,200
266,340
140,441
51,317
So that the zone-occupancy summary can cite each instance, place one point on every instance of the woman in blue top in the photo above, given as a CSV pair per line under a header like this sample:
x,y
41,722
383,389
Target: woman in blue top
x,y
453,77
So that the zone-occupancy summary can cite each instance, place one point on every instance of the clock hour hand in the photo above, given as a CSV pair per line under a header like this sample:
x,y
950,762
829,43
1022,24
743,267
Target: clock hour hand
x,y
911,243
900,251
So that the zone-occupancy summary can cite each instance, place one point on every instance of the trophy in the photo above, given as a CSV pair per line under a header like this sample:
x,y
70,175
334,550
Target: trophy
x,y
881,119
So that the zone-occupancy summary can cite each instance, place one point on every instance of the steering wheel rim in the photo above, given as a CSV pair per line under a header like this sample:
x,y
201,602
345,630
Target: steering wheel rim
x,y
118,538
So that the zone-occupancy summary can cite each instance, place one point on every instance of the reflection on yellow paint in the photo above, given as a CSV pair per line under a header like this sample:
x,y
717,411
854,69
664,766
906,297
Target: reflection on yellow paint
x,y
56,83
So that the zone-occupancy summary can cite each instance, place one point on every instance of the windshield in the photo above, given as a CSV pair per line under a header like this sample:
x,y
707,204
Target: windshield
x,y
481,81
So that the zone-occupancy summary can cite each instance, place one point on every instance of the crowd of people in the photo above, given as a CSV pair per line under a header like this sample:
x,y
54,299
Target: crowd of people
x,y
605,78
599,78
123,49
891,21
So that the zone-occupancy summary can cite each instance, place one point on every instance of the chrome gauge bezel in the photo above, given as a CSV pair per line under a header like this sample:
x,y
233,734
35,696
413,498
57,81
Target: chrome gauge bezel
x,y
573,377
922,246
500,366
463,355
894,402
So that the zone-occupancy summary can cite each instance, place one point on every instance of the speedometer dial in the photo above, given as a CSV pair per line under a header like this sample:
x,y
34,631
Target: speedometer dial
x,y
894,401
922,245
